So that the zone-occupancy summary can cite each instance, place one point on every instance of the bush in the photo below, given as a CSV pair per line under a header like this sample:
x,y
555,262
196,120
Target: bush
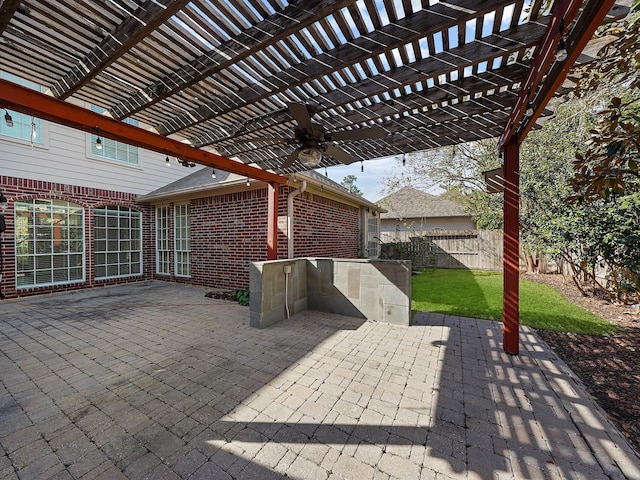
x,y
241,296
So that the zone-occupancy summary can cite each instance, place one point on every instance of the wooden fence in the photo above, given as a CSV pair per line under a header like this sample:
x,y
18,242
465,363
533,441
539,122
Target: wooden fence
x,y
473,249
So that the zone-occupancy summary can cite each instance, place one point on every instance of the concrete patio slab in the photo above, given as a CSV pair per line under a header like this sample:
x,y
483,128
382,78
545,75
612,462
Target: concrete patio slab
x,y
153,380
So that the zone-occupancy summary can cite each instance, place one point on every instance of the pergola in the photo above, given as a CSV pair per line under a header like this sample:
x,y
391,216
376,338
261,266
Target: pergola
x,y
215,79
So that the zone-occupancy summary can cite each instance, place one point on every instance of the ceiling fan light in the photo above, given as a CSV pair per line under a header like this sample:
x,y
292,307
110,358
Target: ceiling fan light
x,y
310,157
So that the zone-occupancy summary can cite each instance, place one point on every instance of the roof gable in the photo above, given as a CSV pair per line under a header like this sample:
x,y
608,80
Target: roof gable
x,y
409,202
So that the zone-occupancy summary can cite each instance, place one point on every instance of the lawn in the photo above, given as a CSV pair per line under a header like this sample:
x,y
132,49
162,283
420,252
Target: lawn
x,y
470,293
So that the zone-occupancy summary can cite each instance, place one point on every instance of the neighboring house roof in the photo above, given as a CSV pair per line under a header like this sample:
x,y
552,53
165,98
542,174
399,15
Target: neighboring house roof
x,y
201,181
409,202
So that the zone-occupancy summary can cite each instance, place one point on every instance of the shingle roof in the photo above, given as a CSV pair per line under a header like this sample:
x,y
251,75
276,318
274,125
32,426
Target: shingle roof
x,y
198,181
409,202
201,181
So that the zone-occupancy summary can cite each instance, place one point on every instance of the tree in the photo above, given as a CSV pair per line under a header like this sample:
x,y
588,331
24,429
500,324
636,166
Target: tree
x,y
457,169
609,166
349,182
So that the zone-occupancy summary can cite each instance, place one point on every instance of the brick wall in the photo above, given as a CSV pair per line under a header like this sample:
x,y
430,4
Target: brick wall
x,y
17,189
325,228
228,232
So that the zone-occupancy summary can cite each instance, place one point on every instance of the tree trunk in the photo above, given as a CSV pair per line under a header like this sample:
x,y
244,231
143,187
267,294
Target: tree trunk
x,y
531,263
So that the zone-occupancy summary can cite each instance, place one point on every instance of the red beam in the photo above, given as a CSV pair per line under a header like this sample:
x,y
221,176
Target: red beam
x,y
545,53
511,250
272,225
30,102
595,11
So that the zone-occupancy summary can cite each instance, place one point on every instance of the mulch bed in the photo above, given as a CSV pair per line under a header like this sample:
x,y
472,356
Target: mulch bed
x,y
608,365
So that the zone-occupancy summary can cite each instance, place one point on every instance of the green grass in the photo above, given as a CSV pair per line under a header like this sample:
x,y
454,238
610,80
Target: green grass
x,y
478,294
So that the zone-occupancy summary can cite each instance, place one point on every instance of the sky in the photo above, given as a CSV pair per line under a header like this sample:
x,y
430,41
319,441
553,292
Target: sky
x,y
369,181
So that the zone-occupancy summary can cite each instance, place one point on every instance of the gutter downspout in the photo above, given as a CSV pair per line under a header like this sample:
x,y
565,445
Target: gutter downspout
x,y
292,195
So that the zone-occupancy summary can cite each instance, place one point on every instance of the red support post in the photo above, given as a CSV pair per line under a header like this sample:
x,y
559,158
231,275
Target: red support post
x,y
272,225
511,250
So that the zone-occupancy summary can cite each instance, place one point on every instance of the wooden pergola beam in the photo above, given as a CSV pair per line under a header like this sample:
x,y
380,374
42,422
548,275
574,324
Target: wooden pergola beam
x,y
7,10
138,26
25,100
564,11
277,27
581,34
378,42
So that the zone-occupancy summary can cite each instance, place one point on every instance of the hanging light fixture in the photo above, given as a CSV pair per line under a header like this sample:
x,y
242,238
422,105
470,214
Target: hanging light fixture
x,y
98,140
167,161
361,166
561,53
7,119
248,182
529,111
213,173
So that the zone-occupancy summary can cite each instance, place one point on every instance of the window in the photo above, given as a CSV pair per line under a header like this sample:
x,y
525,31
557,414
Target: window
x,y
49,242
182,241
373,232
163,242
118,242
24,126
113,149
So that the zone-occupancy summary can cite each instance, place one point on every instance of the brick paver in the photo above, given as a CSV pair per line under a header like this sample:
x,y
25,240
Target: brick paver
x,y
154,380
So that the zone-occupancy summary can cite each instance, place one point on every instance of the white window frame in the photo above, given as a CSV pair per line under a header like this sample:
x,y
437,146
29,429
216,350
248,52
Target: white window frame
x,y
182,240
119,250
25,127
112,149
163,241
52,248
373,230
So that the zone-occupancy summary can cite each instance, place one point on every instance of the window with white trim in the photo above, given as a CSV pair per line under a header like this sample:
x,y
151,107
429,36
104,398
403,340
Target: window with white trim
x,y
24,127
182,244
112,149
49,242
163,241
373,231
118,242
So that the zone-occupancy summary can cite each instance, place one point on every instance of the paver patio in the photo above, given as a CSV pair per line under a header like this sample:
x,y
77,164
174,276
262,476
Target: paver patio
x,y
154,380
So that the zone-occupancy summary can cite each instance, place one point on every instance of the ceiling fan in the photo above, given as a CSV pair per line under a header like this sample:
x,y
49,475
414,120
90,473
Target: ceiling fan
x,y
314,141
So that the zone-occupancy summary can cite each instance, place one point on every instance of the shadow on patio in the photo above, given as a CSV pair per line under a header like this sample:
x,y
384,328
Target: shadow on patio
x,y
156,381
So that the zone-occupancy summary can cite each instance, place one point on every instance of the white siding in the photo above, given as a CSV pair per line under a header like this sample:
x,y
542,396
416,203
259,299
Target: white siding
x,y
64,157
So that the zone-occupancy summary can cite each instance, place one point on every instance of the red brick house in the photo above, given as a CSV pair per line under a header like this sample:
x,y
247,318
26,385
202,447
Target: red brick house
x,y
79,216
228,224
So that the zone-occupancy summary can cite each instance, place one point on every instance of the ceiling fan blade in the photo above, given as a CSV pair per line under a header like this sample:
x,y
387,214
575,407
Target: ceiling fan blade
x,y
293,156
340,155
300,113
370,133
